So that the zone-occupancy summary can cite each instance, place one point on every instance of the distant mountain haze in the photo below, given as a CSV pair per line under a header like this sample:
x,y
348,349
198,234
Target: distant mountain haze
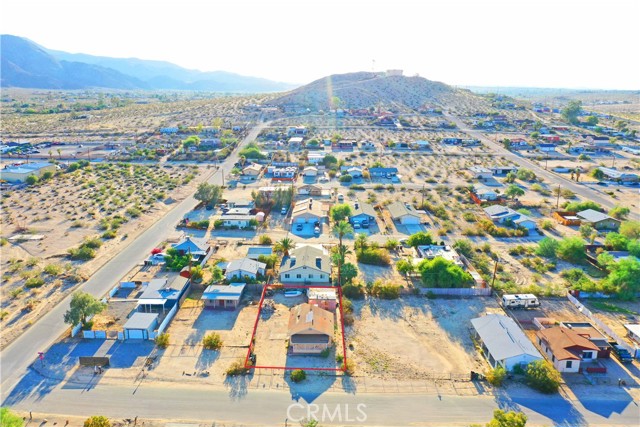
x,y
26,64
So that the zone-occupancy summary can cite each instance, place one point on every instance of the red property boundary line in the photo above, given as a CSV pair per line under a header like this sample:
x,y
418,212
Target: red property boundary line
x,y
247,365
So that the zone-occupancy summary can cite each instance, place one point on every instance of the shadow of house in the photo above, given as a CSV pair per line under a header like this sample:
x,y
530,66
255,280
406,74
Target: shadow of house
x,y
206,359
561,411
311,388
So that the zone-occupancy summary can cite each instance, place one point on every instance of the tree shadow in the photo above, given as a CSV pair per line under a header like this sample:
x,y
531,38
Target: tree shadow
x,y
238,385
206,359
555,407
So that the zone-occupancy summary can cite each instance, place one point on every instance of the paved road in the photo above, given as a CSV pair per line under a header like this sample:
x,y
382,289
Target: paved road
x,y
16,357
579,189
237,406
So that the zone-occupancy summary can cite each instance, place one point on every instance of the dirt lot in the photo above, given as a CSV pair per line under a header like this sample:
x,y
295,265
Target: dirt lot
x,y
415,337
67,209
271,337
191,324
615,314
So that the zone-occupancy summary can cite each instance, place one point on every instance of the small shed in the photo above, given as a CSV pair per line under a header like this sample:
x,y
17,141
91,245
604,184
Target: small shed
x,y
140,326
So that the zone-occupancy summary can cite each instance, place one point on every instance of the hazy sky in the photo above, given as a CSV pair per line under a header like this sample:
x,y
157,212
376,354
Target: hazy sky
x,y
541,43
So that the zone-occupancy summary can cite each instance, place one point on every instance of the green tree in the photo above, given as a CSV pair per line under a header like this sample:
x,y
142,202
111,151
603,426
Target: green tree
x,y
340,212
361,241
405,267
581,206
420,238
329,160
216,274
620,212
586,230
192,141
441,273
597,174
9,419
284,246
348,273
571,249
591,120
526,175
571,111
507,419
624,277
209,194
617,241
97,421
496,376
510,178
464,247
83,306
630,229
547,248
634,248
341,229
513,191
542,376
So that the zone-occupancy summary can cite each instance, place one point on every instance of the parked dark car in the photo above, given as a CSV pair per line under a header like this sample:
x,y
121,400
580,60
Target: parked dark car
x,y
621,353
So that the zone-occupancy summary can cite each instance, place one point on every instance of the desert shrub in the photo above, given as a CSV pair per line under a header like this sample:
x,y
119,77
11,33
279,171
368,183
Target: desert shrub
x,y
339,358
581,206
346,178
325,353
385,290
348,367
571,249
34,282
353,291
82,253
374,256
547,224
134,212
3,241
92,243
469,216
109,234
265,240
442,273
97,421
496,376
298,375
236,368
162,340
52,269
547,247
542,376
391,244
347,305
212,341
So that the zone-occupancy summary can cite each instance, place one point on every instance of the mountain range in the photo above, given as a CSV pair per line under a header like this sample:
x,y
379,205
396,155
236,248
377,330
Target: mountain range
x,y
26,64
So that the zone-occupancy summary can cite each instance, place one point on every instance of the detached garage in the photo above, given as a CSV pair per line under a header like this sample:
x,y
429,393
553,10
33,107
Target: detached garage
x,y
140,326
404,214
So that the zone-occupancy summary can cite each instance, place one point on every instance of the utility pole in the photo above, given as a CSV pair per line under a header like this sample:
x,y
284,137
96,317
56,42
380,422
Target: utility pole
x,y
495,270
558,201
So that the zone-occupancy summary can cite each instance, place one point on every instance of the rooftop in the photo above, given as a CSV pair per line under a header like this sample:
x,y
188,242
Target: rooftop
x,y
245,264
399,209
141,320
591,215
307,256
306,318
232,291
566,343
503,337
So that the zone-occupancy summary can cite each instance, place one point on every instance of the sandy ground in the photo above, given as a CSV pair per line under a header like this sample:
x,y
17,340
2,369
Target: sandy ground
x,y
65,213
415,337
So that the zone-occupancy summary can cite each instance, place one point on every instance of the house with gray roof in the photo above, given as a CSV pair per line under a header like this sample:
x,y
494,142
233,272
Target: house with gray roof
x,y
502,214
244,267
503,343
306,264
598,220
226,297
362,213
404,213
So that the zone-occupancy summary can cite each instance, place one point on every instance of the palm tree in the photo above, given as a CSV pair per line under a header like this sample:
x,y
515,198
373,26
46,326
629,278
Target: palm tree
x,y
341,229
59,150
361,241
50,154
285,245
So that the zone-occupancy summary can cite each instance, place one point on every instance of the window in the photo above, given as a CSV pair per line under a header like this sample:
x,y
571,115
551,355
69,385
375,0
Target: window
x,y
569,364
587,355
298,276
322,276
553,358
311,276
287,276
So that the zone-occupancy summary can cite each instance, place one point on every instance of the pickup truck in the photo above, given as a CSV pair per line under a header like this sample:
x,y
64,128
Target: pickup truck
x,y
621,353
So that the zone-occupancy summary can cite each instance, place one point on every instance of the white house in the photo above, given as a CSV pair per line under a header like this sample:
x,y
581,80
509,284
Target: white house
x,y
485,193
20,173
503,343
566,348
310,171
481,173
306,264
502,214
244,267
240,221
404,214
